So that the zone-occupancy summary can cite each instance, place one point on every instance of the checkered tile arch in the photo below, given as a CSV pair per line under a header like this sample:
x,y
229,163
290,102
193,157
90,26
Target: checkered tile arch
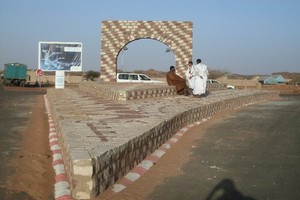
x,y
177,35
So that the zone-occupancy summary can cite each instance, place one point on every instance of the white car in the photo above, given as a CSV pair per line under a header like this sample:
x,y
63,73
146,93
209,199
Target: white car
x,y
216,81
125,77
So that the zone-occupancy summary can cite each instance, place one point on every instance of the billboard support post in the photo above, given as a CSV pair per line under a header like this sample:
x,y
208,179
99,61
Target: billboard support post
x,y
39,83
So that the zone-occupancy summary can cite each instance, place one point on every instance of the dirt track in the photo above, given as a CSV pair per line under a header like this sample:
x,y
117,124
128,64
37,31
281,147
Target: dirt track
x,y
28,172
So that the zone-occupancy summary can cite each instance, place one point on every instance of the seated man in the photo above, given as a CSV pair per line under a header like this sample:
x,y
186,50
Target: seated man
x,y
177,81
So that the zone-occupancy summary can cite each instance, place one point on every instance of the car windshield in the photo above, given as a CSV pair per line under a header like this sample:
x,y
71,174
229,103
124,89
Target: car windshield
x,y
144,78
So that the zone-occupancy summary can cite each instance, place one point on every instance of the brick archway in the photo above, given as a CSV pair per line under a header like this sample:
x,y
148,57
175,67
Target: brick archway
x,y
177,35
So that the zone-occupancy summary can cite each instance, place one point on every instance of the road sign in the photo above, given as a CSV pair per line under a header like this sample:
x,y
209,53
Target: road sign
x,y
39,72
59,79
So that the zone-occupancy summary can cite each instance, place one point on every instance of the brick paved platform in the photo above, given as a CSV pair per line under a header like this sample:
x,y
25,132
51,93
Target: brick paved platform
x,y
102,139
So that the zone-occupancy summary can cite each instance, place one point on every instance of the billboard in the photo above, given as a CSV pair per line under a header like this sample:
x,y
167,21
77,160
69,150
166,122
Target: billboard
x,y
60,56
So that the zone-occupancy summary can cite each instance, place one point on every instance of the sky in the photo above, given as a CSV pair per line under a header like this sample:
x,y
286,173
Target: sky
x,y
237,36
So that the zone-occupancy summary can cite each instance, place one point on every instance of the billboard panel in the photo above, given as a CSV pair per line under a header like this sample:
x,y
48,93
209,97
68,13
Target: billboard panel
x,y
60,56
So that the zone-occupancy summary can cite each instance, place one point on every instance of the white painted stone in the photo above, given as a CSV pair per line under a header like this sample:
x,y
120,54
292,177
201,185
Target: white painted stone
x,y
55,147
146,164
83,170
90,184
83,195
53,139
159,153
62,188
59,169
167,146
118,187
174,140
60,193
57,156
61,185
132,176
190,125
179,134
184,129
52,133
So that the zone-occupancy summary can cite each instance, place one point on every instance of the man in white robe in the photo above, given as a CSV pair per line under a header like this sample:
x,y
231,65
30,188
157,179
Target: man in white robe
x,y
201,73
189,76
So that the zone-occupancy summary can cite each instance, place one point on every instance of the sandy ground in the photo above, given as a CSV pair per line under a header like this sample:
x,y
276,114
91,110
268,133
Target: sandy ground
x,y
32,164
170,165
34,174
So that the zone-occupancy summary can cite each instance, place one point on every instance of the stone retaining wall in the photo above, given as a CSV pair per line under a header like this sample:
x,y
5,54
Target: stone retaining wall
x,y
133,91
89,176
114,164
215,87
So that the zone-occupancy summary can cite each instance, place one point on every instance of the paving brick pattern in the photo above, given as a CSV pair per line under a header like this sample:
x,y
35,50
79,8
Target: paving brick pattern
x,y
101,138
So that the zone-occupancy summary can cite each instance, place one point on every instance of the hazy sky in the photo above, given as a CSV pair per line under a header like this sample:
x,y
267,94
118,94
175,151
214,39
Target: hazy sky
x,y
238,36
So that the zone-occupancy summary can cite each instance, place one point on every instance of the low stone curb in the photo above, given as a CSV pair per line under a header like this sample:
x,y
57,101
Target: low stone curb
x,y
61,187
150,160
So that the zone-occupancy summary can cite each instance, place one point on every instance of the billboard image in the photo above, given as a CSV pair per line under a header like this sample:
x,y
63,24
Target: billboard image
x,y
60,56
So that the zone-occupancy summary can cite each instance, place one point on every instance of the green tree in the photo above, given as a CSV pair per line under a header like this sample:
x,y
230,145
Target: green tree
x,y
91,75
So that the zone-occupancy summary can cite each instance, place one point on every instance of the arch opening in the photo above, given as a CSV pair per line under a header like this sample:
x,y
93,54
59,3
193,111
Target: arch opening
x,y
145,54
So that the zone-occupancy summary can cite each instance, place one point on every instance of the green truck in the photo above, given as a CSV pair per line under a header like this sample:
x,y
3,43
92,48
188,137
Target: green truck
x,y
15,74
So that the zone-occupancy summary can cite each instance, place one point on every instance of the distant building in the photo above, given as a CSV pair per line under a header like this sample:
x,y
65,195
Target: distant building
x,y
272,80
280,79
